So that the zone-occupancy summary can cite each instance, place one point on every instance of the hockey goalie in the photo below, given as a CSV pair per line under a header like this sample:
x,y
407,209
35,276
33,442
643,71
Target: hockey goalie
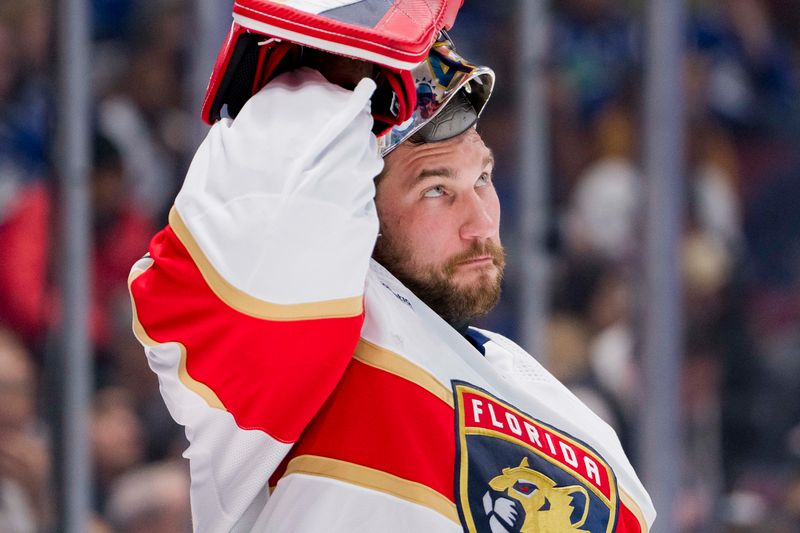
x,y
308,309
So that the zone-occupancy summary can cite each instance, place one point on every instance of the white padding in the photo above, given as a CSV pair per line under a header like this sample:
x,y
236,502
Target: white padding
x,y
280,200
309,504
229,466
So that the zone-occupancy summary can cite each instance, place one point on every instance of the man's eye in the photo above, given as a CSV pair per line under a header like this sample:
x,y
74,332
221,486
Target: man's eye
x,y
483,180
434,192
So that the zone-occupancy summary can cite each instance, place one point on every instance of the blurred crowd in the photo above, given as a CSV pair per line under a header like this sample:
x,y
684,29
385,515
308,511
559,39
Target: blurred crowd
x,y
740,251
740,244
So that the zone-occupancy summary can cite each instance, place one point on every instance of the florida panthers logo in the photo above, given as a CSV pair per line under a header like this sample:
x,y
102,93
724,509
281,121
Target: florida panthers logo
x,y
518,475
547,508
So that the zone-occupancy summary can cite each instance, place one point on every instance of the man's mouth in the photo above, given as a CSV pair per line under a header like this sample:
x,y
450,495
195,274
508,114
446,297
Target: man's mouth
x,y
477,261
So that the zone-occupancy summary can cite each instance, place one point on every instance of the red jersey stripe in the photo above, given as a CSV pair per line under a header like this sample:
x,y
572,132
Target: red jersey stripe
x,y
373,419
630,518
256,382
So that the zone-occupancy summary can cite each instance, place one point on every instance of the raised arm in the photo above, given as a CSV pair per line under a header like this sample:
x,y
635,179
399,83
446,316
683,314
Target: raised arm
x,y
249,302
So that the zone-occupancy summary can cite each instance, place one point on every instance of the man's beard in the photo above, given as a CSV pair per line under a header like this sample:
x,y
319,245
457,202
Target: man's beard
x,y
435,285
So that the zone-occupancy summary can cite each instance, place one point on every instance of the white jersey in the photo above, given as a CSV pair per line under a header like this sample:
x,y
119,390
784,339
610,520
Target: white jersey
x,y
317,392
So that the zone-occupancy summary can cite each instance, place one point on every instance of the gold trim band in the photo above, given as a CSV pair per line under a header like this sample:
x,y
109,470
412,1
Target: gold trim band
x,y
374,479
388,361
631,504
201,389
250,305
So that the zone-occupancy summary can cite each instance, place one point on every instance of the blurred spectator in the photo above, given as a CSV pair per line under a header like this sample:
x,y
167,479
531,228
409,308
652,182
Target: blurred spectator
x,y
128,370
116,435
121,231
25,504
24,96
24,196
143,113
606,200
24,234
595,296
149,166
747,64
763,501
611,349
715,206
153,499
596,50
568,361
595,60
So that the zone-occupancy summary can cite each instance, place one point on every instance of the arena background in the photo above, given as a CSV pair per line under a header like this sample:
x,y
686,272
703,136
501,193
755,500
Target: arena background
x,y
575,127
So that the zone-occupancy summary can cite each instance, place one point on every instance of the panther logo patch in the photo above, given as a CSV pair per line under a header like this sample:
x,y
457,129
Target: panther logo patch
x,y
515,474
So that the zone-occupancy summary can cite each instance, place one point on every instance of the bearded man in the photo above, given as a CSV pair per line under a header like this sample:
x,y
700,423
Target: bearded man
x,y
310,328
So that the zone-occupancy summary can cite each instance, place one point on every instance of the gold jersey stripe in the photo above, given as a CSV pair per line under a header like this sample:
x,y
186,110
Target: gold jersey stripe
x,y
374,479
631,504
388,361
250,305
201,389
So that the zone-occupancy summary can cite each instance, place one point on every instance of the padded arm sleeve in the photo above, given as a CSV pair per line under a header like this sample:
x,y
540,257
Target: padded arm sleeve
x,y
249,303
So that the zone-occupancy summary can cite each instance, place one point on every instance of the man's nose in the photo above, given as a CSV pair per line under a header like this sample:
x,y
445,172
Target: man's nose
x,y
478,220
